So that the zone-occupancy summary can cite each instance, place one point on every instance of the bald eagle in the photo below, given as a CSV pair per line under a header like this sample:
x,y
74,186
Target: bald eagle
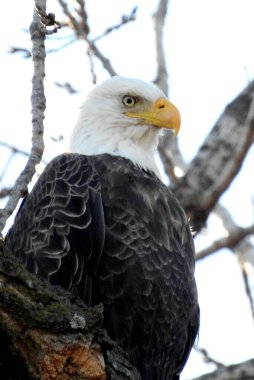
x,y
100,223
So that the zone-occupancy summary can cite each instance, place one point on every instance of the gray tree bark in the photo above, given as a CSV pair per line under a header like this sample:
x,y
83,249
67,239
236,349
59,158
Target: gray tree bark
x,y
47,334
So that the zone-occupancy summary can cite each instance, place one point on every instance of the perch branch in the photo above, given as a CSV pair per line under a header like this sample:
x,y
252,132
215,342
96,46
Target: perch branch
x,y
54,335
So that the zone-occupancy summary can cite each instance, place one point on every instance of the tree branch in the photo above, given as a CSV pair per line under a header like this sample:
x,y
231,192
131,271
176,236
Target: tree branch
x,y
168,147
219,159
247,285
124,20
82,29
14,49
207,358
159,21
230,241
5,192
241,371
14,149
37,31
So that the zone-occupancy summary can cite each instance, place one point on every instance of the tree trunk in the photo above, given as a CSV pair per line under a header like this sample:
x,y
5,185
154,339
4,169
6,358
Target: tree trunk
x,y
47,334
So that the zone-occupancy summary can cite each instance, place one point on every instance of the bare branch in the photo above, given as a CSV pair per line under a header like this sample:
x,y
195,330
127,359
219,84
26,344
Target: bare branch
x,y
5,192
67,86
14,149
159,21
219,159
92,70
241,371
244,251
82,32
81,11
57,139
47,19
63,46
247,286
168,148
105,61
230,241
170,155
37,31
124,20
167,161
207,358
6,166
15,49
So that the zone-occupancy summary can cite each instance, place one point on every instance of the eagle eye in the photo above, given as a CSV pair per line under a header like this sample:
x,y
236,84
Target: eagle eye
x,y
129,101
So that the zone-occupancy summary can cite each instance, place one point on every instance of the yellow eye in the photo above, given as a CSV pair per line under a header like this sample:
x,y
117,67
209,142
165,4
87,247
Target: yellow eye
x,y
129,101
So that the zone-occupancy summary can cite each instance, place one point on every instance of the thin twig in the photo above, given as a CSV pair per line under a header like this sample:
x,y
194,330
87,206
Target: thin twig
x,y
168,163
5,192
47,19
92,70
81,11
247,286
83,33
207,358
14,149
159,21
37,31
14,49
67,86
124,20
168,148
65,45
228,242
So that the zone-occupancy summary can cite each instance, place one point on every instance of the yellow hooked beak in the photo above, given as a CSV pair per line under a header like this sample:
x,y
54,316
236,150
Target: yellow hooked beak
x,y
162,114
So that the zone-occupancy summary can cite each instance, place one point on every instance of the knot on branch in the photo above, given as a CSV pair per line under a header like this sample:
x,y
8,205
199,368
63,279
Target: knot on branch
x,y
48,19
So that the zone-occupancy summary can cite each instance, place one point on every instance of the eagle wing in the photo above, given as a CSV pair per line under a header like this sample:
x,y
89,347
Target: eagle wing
x,y
63,211
146,277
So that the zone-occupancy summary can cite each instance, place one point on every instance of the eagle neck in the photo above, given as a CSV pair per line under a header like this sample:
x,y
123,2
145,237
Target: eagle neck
x,y
136,143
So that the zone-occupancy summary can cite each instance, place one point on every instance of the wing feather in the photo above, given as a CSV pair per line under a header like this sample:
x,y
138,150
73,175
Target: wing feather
x,y
146,277
59,230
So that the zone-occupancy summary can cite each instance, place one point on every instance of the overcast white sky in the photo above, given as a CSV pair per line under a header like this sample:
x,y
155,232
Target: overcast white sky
x,y
209,50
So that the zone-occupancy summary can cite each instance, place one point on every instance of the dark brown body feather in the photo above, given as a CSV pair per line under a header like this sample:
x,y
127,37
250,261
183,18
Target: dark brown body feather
x,y
112,233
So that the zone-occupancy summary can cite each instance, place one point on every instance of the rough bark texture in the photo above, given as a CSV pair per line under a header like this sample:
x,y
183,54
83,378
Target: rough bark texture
x,y
47,334
241,371
219,159
38,101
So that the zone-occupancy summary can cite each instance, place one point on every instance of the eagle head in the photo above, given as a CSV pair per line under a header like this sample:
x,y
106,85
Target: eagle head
x,y
124,116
